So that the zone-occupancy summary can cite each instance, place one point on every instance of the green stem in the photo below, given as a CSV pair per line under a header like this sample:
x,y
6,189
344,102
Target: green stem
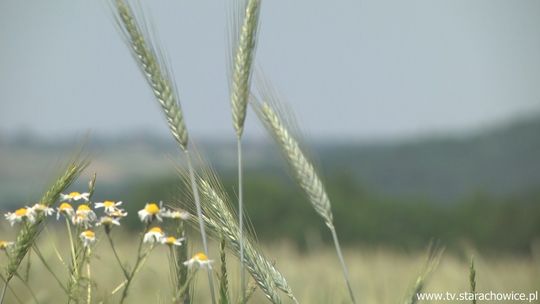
x,y
342,261
241,220
4,291
25,283
180,257
42,259
89,287
138,263
72,247
201,222
124,271
10,289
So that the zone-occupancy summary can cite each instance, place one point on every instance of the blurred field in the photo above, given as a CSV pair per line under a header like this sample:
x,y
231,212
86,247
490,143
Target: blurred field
x,y
379,275
384,229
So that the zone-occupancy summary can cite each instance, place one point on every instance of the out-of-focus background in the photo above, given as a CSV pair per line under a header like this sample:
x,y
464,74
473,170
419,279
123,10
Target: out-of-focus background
x,y
424,115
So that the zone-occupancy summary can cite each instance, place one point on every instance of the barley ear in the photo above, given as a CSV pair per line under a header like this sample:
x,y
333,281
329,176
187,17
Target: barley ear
x,y
244,40
152,65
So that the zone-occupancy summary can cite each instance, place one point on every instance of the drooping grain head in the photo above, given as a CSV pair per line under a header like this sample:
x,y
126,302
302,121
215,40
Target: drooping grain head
x,y
303,169
222,222
153,65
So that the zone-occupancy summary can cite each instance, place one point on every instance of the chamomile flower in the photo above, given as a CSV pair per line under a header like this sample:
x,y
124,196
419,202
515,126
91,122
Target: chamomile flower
x,y
85,210
150,211
108,206
108,221
200,259
154,235
41,208
65,209
118,213
176,214
88,237
4,245
82,219
84,216
75,196
21,214
172,241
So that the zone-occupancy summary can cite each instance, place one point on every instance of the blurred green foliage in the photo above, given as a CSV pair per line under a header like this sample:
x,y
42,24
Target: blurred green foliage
x,y
277,210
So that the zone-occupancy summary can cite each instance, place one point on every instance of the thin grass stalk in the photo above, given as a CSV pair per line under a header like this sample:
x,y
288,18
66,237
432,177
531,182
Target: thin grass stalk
x,y
141,259
195,191
304,172
30,291
10,289
115,252
49,269
245,38
342,262
241,219
89,286
159,78
181,256
4,291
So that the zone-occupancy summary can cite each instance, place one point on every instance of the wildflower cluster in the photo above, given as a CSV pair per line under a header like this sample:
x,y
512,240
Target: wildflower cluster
x,y
83,217
153,212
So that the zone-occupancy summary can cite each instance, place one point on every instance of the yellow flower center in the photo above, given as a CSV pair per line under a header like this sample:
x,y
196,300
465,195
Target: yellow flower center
x,y
21,212
152,208
73,194
65,207
156,230
89,234
201,257
83,208
3,244
108,204
170,240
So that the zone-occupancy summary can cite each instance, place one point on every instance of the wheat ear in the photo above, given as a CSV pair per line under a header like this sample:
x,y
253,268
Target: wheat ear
x,y
244,40
303,169
159,79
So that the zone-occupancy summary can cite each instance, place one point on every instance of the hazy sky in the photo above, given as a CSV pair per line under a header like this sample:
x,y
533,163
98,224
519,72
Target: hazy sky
x,y
349,68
